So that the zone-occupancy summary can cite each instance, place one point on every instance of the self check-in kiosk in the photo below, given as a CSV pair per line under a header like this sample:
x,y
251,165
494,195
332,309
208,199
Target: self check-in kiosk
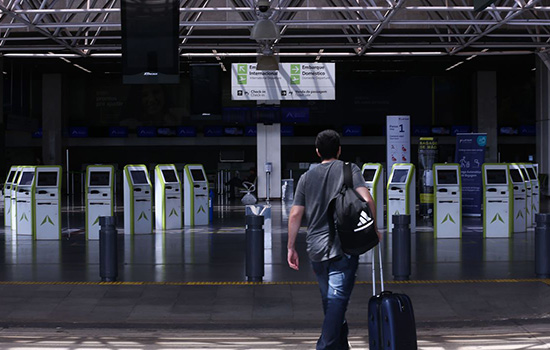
x,y
372,173
47,206
13,199
529,195
447,201
168,192
195,194
138,200
7,195
99,196
519,211
24,198
402,193
535,190
497,201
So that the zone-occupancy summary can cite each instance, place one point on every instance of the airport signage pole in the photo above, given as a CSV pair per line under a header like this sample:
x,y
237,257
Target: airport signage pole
x,y
470,154
398,140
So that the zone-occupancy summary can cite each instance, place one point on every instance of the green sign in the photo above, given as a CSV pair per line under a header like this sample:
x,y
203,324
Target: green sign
x,y
201,209
142,216
295,72
24,216
449,218
47,219
497,217
173,212
242,73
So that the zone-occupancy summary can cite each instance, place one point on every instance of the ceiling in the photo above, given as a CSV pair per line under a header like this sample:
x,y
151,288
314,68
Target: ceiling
x,y
219,29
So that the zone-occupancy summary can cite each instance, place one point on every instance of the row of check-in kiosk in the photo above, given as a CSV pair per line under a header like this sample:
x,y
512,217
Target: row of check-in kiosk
x,y
32,199
511,197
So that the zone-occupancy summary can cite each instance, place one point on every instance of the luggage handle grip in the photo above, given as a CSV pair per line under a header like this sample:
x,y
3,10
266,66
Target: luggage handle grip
x,y
374,270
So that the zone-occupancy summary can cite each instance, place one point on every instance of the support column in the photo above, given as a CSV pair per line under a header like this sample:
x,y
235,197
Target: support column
x,y
4,167
52,148
486,112
269,150
543,115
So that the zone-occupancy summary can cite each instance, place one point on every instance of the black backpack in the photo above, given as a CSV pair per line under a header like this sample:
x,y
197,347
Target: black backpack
x,y
354,220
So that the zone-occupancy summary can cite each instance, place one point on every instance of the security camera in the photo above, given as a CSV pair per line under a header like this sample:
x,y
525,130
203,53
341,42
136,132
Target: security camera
x,y
263,5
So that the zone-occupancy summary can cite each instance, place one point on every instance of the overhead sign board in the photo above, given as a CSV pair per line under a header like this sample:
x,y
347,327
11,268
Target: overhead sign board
x,y
293,81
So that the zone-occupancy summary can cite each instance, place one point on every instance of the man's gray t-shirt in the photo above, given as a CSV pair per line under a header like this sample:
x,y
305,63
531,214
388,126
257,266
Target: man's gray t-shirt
x,y
315,190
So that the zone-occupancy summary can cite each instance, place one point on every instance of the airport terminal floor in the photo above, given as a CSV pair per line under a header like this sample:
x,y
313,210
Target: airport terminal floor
x,y
186,289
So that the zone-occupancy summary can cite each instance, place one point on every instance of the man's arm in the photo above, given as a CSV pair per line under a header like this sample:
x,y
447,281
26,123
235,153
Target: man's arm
x,y
364,192
294,222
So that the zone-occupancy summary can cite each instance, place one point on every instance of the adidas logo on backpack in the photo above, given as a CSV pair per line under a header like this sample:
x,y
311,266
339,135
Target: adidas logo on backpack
x,y
364,222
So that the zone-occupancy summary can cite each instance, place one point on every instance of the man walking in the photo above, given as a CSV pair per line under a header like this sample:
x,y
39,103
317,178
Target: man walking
x,y
335,270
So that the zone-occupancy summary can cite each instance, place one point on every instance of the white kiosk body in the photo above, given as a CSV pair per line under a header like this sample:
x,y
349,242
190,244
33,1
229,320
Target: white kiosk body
x,y
99,196
447,201
138,200
529,195
7,195
535,190
195,194
168,192
13,199
372,173
520,198
47,207
402,193
24,197
497,201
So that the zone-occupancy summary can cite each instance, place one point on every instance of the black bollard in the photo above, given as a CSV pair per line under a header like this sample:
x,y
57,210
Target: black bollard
x,y
254,248
401,247
542,245
108,258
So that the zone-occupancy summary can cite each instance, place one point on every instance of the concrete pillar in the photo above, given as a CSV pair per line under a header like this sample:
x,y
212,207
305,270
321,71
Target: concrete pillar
x,y
543,114
486,111
269,150
52,148
4,167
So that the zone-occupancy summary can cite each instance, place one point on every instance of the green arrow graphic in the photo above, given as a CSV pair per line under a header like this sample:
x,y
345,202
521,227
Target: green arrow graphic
x,y
24,216
396,212
96,221
497,216
9,209
47,219
295,79
520,214
448,217
143,216
242,69
173,212
201,209
294,69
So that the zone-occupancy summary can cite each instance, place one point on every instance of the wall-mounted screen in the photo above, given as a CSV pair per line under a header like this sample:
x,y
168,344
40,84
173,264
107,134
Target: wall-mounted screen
x,y
515,175
447,177
169,175
531,173
496,177
400,176
525,175
26,178
100,178
139,177
47,178
197,175
368,174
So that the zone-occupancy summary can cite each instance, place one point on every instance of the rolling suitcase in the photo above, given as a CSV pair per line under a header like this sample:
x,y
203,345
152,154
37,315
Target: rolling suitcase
x,y
391,317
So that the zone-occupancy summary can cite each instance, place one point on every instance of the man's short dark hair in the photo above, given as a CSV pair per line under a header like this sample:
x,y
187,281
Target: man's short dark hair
x,y
328,144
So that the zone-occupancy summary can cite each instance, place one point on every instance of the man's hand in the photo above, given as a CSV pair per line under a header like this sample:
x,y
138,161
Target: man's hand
x,y
379,235
293,259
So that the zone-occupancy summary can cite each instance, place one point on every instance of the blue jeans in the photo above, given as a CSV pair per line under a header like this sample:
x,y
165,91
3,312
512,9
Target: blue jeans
x,y
336,279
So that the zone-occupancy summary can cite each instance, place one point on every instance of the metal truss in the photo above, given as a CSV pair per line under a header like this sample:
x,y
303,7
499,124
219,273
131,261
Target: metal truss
x,y
331,28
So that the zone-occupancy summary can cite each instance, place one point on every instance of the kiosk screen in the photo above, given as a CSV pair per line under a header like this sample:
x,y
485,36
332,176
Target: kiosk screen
x,y
525,176
100,178
47,178
170,175
368,174
26,179
400,176
10,176
139,177
496,177
515,175
197,175
531,173
447,177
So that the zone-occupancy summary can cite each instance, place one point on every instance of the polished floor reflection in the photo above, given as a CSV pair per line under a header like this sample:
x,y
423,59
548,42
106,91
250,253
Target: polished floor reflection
x,y
217,253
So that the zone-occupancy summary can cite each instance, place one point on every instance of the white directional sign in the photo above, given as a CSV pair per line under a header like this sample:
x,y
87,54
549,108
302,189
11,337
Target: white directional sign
x,y
293,81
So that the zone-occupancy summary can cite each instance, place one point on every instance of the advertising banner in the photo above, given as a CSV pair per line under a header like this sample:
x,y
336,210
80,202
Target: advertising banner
x,y
427,156
293,81
398,140
470,154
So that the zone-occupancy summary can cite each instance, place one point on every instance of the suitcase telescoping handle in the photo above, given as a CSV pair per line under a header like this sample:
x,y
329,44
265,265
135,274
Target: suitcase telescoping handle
x,y
374,269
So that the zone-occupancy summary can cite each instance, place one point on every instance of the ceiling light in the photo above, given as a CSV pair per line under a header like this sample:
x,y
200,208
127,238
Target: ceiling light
x,y
265,29
267,62
454,65
82,68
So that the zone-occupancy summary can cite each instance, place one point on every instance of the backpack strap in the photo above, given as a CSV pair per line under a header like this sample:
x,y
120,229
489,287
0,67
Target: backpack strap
x,y
348,180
